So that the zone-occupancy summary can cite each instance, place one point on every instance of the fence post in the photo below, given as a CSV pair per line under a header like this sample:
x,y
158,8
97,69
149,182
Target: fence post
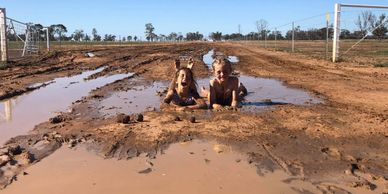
x,y
48,39
276,38
327,35
293,37
337,29
3,35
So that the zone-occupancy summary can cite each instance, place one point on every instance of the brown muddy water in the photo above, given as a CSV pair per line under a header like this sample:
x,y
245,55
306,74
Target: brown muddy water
x,y
189,167
20,114
262,94
143,96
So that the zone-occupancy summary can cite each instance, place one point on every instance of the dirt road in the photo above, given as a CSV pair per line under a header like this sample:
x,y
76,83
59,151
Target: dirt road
x,y
344,135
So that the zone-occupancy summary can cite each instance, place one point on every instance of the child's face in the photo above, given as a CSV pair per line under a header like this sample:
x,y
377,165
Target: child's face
x,y
221,72
184,79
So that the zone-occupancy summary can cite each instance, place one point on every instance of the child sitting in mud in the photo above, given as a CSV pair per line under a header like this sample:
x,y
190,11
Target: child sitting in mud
x,y
182,92
225,90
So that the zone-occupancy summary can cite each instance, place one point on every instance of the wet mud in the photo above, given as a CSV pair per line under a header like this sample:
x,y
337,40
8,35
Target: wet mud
x,y
323,128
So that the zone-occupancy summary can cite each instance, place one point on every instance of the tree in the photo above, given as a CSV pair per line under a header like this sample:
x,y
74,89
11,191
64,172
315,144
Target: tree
x,y
216,36
150,35
109,37
57,29
379,26
87,37
38,28
261,27
172,36
345,34
277,34
162,37
194,36
95,35
363,22
78,35
180,37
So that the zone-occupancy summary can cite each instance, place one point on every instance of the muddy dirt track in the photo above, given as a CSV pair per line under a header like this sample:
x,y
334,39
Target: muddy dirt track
x,y
343,136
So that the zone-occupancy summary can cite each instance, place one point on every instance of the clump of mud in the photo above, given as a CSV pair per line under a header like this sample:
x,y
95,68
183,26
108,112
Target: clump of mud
x,y
123,118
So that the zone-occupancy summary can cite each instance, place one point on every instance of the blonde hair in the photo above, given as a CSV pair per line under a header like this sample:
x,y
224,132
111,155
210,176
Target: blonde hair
x,y
221,60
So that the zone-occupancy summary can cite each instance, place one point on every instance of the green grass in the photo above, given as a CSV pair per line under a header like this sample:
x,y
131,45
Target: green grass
x,y
384,52
383,64
3,65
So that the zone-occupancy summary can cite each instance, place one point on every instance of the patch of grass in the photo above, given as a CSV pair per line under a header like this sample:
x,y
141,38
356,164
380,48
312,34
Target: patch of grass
x,y
3,66
384,52
384,64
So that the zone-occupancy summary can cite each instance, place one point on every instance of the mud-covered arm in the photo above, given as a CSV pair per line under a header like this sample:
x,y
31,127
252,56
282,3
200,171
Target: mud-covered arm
x,y
168,98
234,99
199,102
212,98
235,92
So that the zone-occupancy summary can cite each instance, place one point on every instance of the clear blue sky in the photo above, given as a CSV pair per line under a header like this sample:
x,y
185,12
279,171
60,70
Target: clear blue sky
x,y
129,17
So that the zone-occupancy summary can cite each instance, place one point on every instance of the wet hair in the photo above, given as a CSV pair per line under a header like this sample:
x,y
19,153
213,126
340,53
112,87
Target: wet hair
x,y
222,60
193,85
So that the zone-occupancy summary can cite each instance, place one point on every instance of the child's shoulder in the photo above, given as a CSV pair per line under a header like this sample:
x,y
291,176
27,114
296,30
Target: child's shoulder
x,y
213,81
233,80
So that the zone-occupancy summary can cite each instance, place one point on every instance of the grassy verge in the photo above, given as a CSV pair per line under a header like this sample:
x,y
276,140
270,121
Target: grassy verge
x,y
3,65
383,64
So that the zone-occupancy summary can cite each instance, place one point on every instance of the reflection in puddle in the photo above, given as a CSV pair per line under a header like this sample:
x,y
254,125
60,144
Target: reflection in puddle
x,y
209,57
7,115
233,59
191,167
23,112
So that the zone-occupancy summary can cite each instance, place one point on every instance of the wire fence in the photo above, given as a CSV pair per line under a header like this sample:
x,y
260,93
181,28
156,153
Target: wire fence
x,y
24,39
19,39
363,37
313,36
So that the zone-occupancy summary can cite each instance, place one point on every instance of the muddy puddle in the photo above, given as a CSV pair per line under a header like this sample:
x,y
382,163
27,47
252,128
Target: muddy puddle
x,y
139,98
20,114
189,167
262,93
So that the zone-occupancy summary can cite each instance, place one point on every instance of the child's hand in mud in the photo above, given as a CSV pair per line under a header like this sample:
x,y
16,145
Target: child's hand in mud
x,y
183,108
217,107
165,106
234,104
230,108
